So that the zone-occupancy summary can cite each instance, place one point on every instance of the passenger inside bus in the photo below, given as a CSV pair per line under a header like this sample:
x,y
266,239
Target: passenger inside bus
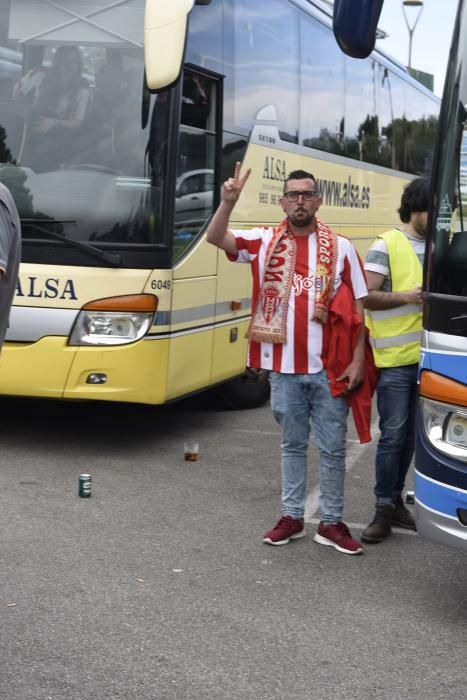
x,y
97,140
59,94
59,97
112,136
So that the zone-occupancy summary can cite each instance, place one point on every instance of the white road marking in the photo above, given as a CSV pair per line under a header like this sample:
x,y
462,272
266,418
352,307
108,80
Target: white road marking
x,y
361,526
355,453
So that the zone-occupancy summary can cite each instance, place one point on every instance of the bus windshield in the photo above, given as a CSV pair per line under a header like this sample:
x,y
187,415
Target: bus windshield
x,y
447,269
82,142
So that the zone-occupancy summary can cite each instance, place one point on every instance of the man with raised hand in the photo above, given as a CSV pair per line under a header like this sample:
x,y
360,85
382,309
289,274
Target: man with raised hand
x,y
298,268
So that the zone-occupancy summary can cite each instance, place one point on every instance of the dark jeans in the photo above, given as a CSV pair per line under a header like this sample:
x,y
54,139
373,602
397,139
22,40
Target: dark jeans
x,y
397,405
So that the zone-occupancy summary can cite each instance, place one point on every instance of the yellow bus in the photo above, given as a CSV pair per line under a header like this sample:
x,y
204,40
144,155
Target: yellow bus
x,y
119,122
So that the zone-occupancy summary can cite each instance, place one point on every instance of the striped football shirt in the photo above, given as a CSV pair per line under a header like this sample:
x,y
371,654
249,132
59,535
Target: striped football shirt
x,y
301,354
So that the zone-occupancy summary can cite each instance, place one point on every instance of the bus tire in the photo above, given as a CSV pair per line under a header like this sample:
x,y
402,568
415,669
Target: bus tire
x,y
251,390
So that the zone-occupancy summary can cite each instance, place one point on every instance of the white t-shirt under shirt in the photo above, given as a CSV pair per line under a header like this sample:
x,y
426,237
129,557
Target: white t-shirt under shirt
x,y
301,354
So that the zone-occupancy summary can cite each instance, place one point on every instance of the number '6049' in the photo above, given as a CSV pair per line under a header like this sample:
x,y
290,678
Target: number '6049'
x,y
160,284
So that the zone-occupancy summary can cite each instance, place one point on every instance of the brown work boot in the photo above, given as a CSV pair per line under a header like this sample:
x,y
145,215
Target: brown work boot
x,y
380,526
401,516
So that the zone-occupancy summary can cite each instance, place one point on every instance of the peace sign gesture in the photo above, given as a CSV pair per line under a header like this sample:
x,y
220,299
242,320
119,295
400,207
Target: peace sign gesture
x,y
234,185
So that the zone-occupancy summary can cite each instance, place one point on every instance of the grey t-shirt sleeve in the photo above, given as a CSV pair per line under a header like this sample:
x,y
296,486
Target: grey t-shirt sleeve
x,y
377,260
6,226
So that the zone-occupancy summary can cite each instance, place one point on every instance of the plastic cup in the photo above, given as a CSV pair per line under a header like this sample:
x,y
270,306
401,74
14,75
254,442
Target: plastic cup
x,y
191,451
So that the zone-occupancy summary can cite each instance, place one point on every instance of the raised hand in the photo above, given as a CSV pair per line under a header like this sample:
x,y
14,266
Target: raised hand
x,y
234,185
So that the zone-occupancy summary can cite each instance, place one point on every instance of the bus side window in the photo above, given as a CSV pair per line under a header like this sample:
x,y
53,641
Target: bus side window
x,y
195,101
194,197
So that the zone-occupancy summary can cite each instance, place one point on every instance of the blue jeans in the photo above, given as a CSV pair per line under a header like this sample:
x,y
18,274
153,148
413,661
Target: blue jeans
x,y
295,399
397,406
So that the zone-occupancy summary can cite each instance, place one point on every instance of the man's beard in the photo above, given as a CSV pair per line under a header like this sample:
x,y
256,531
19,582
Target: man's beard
x,y
303,221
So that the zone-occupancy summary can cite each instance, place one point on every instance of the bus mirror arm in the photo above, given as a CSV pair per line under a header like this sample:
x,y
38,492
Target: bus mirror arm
x,y
165,33
355,24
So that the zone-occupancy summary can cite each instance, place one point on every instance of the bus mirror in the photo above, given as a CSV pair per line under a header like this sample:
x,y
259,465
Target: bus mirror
x,y
165,29
355,24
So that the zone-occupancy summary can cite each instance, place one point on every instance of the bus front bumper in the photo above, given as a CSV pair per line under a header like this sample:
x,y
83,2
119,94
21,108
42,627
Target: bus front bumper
x,y
50,368
437,508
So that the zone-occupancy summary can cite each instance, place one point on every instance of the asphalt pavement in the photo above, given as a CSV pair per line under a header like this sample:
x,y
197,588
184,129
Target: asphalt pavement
x,y
159,585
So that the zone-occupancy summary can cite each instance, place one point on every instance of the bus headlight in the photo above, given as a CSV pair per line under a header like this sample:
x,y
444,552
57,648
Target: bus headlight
x,y
114,321
445,427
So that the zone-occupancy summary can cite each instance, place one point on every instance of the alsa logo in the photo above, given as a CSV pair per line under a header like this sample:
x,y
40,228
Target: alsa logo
x,y
274,169
47,288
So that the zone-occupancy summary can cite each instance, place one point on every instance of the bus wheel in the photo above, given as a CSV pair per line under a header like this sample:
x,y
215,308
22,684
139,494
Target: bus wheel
x,y
248,391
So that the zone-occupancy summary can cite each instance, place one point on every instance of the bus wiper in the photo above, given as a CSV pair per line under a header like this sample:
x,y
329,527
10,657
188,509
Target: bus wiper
x,y
113,259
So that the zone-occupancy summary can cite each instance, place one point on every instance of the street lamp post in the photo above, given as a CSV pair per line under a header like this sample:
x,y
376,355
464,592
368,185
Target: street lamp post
x,y
411,28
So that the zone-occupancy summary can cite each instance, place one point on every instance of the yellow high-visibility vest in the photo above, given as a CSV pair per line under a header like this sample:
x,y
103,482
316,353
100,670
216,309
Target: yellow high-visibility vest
x,y
395,334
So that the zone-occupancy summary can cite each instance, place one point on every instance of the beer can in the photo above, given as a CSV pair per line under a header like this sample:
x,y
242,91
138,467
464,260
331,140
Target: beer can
x,y
85,485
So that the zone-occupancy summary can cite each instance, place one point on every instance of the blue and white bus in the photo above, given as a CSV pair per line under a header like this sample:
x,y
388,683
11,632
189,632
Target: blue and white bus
x,y
441,449
441,452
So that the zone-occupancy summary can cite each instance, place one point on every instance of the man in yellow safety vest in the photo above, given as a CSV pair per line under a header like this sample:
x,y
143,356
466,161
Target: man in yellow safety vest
x,y
394,268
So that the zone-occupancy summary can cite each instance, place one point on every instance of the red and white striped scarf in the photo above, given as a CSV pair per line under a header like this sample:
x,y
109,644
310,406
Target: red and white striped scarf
x,y
269,320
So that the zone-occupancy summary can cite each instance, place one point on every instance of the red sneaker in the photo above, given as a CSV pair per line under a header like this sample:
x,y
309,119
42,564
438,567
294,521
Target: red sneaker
x,y
287,529
338,536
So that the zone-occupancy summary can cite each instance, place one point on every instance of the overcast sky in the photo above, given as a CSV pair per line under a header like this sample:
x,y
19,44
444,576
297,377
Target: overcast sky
x,y
431,38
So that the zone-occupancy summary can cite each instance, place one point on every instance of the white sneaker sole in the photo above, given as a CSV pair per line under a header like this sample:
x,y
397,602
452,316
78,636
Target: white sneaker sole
x,y
297,536
323,540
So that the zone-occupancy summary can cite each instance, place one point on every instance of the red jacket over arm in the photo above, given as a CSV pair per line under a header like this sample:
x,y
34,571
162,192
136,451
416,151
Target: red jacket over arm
x,y
340,335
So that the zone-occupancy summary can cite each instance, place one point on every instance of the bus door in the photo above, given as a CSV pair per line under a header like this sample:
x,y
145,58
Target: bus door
x,y
195,262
